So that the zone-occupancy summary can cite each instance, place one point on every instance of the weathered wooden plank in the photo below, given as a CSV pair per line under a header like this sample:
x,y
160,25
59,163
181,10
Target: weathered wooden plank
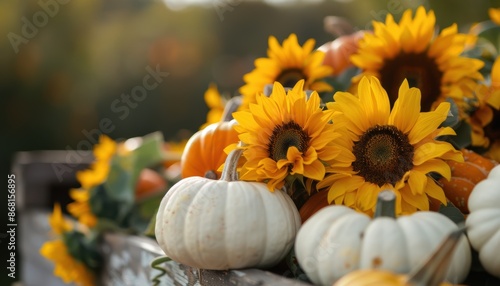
x,y
127,260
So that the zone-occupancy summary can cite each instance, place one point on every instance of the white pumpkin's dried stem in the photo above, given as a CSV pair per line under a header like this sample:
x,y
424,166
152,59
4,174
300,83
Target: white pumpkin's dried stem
x,y
386,204
433,271
230,171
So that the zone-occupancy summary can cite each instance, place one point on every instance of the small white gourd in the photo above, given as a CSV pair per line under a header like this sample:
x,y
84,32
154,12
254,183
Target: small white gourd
x,y
337,240
483,222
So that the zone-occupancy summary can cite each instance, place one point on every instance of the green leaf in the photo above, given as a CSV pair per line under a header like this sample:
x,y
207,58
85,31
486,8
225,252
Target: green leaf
x,y
125,169
150,229
106,207
453,117
115,198
148,153
452,213
143,212
297,191
463,138
120,185
83,248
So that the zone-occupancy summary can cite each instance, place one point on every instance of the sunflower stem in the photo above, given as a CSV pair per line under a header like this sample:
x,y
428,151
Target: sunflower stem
x,y
230,171
231,106
386,204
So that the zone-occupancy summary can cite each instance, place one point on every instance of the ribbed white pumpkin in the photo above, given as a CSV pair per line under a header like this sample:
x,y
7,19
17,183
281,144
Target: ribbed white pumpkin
x,y
483,222
337,240
226,224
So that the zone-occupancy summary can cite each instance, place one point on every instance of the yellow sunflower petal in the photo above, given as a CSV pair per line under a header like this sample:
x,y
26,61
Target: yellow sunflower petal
x,y
435,166
285,134
57,221
287,63
417,181
406,109
66,267
494,14
418,200
367,196
435,191
343,185
398,155
428,122
431,60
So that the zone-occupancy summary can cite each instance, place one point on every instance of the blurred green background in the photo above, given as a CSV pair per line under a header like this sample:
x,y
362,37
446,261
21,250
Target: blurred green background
x,y
63,73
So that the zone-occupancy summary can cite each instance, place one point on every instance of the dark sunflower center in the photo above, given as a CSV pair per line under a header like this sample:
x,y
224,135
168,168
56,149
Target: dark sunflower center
x,y
383,155
420,70
285,136
492,130
289,77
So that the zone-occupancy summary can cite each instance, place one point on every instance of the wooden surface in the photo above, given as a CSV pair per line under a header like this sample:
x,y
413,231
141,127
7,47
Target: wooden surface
x,y
128,258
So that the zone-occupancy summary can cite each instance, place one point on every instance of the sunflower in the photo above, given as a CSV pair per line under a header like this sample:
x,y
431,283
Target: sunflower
x,y
89,178
216,102
66,266
492,100
287,65
410,50
286,136
494,14
384,149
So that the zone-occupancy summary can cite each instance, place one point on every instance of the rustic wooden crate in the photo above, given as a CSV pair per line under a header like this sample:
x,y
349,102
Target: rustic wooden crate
x,y
128,258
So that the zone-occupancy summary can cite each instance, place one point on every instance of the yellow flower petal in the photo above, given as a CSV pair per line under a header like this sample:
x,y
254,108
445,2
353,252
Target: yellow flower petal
x,y
428,122
397,155
287,64
286,134
431,60
66,267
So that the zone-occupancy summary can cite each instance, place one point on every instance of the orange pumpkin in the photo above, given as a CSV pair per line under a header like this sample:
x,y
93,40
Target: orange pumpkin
x,y
464,176
339,51
434,204
204,151
316,202
149,182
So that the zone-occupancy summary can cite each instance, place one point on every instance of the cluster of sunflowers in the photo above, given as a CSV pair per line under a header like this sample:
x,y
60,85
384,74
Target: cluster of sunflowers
x,y
414,101
389,108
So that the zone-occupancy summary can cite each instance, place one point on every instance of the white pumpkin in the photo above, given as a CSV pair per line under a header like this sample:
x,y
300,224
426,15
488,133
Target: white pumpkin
x,y
226,224
483,222
337,240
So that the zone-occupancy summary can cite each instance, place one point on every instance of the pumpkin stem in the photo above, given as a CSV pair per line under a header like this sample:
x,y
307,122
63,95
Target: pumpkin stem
x,y
230,171
231,106
386,204
210,174
433,271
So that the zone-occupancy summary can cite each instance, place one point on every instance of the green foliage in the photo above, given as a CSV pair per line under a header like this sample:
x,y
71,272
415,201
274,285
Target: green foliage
x,y
453,213
83,248
114,202
156,264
